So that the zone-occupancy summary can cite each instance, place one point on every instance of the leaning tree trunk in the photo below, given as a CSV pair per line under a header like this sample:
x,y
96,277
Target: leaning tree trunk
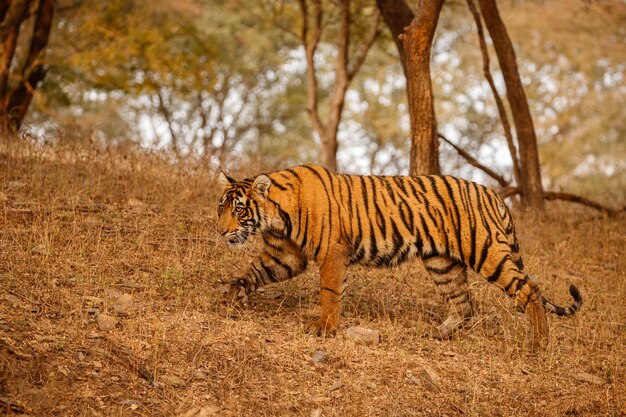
x,y
19,79
530,173
417,42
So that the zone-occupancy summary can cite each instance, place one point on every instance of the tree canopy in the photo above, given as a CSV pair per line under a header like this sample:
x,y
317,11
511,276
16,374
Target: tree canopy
x,y
226,81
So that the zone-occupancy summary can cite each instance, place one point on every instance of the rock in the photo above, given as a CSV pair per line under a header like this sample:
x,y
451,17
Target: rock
x,y
40,250
123,304
3,197
175,381
13,300
426,377
317,412
133,202
449,353
318,357
13,185
363,335
106,322
112,293
336,386
124,299
94,301
587,377
429,379
133,404
205,411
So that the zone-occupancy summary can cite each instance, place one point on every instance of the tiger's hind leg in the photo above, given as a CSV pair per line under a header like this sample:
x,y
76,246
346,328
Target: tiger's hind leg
x,y
450,276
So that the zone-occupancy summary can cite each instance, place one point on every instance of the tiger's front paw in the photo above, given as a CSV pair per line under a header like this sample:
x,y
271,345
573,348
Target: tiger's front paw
x,y
320,328
237,291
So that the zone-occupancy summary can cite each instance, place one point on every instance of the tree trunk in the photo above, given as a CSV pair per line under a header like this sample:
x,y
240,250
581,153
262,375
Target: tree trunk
x,y
330,154
397,15
530,173
417,42
15,97
345,70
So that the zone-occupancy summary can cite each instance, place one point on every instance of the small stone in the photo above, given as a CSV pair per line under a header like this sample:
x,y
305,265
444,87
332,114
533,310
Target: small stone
x,y
123,304
40,250
426,377
13,300
317,412
106,322
3,197
207,411
318,356
175,381
97,364
429,379
134,202
363,335
124,299
587,377
449,353
93,300
16,184
336,386
112,293
133,404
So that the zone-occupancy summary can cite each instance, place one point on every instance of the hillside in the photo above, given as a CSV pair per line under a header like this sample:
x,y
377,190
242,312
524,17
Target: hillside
x,y
110,305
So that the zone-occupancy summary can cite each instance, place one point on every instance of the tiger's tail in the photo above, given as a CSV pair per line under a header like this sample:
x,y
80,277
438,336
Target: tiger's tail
x,y
565,311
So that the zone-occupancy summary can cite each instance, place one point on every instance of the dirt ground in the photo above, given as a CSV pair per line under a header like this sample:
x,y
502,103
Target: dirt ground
x,y
110,305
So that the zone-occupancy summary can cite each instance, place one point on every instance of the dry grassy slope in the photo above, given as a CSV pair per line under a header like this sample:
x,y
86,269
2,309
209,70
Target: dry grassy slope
x,y
97,225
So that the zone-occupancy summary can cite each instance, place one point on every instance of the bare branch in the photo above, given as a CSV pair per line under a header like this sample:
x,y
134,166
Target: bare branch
x,y
168,119
573,198
501,111
374,32
310,45
474,162
338,95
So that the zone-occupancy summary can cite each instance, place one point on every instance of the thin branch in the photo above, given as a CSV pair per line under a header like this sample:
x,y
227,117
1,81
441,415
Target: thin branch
x,y
374,32
474,162
310,45
573,198
168,119
338,95
501,111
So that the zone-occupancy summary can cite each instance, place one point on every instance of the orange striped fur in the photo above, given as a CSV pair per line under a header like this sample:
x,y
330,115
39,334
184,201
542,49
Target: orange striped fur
x,y
308,213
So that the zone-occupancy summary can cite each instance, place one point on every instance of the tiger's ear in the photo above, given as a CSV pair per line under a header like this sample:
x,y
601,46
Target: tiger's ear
x,y
223,181
261,186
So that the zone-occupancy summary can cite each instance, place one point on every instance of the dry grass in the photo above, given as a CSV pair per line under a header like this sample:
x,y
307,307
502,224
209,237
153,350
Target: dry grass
x,y
76,225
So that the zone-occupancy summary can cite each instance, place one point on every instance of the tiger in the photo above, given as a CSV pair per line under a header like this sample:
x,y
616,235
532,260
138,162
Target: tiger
x,y
306,213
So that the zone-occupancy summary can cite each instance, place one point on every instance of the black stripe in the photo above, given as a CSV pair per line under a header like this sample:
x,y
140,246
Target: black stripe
x,y
441,271
283,265
458,226
278,185
496,274
338,294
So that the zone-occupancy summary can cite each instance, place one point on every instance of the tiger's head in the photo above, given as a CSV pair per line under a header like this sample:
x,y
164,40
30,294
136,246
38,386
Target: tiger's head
x,y
242,210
